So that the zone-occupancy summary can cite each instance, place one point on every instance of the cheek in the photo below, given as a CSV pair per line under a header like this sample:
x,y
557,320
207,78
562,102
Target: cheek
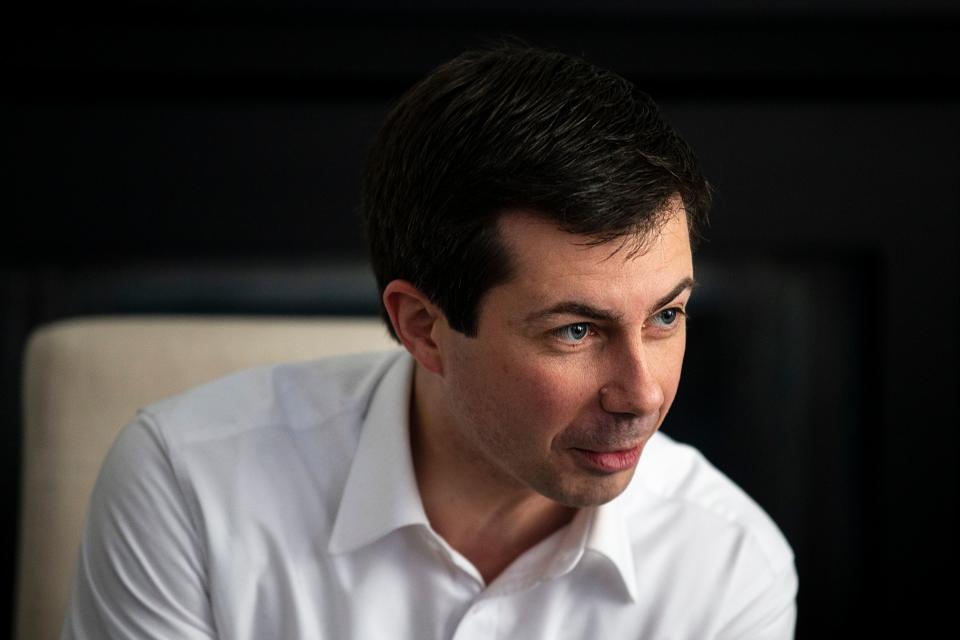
x,y
547,393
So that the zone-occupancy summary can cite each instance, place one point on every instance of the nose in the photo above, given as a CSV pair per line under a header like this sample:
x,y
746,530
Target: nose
x,y
632,387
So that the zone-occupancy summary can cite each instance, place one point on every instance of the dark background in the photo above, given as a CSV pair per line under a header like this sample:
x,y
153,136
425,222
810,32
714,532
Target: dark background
x,y
204,157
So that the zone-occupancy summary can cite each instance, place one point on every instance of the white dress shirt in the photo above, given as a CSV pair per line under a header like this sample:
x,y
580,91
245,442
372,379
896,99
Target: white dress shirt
x,y
281,502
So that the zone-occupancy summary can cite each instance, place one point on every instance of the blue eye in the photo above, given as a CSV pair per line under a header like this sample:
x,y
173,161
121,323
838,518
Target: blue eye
x,y
668,317
574,332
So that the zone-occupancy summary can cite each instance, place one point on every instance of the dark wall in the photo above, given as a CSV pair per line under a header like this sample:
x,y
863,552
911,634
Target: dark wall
x,y
176,158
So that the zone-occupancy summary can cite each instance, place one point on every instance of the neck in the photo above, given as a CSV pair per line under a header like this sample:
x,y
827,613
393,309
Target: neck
x,y
491,519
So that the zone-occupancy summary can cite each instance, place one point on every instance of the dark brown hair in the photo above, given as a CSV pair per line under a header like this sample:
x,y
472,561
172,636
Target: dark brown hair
x,y
514,128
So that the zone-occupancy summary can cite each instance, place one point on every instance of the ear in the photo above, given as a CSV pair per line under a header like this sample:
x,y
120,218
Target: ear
x,y
415,320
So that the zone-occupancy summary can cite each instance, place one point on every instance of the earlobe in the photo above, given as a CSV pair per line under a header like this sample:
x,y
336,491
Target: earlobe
x,y
414,320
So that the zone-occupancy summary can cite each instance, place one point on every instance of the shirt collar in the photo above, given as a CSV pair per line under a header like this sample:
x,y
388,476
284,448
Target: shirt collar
x,y
381,493
608,536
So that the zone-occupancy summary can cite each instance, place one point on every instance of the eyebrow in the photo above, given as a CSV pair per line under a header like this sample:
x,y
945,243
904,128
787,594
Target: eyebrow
x,y
572,307
683,285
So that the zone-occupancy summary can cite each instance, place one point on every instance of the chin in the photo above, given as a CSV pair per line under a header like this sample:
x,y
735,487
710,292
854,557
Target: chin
x,y
591,491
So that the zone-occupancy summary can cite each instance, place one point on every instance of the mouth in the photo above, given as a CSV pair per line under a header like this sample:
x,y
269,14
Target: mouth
x,y
607,462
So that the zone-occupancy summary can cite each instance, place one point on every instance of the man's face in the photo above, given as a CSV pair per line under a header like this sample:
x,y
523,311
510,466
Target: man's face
x,y
576,359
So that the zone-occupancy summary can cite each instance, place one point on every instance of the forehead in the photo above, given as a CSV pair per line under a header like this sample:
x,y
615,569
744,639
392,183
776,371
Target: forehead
x,y
537,247
624,275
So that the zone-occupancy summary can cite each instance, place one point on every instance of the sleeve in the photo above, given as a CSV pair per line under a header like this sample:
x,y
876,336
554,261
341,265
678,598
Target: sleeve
x,y
765,605
141,568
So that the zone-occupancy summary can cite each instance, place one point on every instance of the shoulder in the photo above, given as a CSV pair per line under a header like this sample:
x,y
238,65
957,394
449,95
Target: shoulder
x,y
202,481
709,545
292,396
677,478
246,456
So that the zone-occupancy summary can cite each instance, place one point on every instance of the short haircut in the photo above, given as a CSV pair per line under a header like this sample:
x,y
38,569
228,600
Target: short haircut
x,y
514,128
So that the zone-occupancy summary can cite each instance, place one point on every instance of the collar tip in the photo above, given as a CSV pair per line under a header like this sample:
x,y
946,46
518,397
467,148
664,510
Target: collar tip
x,y
631,591
339,544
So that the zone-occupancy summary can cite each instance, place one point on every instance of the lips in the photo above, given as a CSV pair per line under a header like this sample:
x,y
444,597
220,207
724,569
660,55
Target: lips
x,y
610,461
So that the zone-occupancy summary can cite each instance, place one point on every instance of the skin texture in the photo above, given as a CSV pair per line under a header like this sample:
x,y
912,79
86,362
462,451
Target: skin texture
x,y
575,364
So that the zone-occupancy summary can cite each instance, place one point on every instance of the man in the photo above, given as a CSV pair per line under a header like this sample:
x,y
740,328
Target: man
x,y
529,218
